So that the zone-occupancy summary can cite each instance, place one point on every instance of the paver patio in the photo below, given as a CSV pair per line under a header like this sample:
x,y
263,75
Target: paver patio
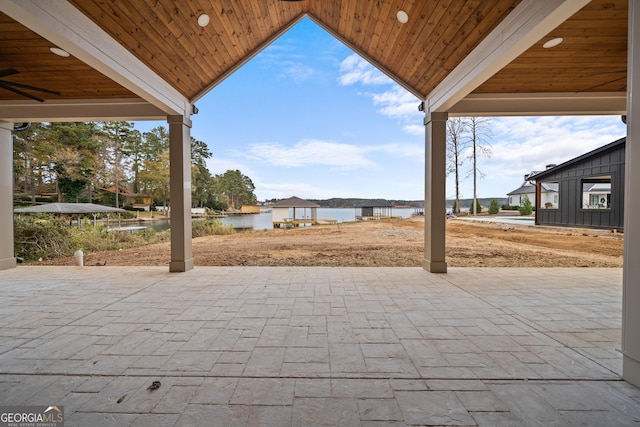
x,y
314,346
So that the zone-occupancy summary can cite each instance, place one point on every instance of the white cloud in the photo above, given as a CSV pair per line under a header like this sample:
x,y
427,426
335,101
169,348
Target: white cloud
x,y
311,152
406,150
533,143
297,71
218,165
335,155
414,129
397,103
354,70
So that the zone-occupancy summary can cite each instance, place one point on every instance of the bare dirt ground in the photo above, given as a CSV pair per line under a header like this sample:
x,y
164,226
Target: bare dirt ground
x,y
392,243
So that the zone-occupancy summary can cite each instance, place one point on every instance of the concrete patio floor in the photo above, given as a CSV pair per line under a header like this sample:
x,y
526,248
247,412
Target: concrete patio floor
x,y
313,346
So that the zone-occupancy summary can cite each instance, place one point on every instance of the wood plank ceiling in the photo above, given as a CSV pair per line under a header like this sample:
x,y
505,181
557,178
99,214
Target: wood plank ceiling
x,y
164,34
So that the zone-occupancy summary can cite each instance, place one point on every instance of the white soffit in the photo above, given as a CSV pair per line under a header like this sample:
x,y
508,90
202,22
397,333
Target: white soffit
x,y
66,27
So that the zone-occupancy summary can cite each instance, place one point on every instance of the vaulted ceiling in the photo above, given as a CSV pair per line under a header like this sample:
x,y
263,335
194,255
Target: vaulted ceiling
x,y
419,54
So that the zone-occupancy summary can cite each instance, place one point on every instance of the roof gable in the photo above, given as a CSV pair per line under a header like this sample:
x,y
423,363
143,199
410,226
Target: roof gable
x,y
576,160
164,35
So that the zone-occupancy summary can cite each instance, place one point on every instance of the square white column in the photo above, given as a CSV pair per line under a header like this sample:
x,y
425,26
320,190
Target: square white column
x,y
631,274
434,194
180,187
7,254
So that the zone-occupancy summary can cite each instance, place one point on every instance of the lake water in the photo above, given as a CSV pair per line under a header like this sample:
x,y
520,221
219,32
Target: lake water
x,y
263,221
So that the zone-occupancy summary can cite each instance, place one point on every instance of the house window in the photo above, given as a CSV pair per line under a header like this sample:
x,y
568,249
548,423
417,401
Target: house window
x,y
596,192
549,191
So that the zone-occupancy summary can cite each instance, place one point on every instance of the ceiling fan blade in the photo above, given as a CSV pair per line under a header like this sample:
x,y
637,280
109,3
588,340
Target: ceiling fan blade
x,y
5,83
8,72
19,92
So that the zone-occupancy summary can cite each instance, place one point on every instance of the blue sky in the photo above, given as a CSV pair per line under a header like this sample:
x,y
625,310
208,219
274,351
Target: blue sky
x,y
310,118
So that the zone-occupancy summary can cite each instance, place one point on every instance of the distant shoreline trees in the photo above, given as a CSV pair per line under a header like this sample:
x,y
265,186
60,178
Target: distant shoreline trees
x,y
102,162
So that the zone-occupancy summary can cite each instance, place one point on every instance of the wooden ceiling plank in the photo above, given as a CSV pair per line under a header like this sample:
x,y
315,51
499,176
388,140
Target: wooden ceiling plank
x,y
514,35
446,34
364,55
247,58
378,33
594,40
64,25
217,52
467,36
347,10
151,53
174,44
426,18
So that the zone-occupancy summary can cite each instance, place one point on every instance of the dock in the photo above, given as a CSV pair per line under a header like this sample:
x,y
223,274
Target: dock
x,y
291,223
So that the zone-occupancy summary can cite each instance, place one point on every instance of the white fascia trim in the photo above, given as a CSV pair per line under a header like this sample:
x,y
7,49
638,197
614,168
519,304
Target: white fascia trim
x,y
527,24
541,104
80,110
67,28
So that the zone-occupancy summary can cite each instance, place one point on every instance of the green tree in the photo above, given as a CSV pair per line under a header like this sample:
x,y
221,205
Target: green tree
x,y
26,159
202,182
494,208
154,174
58,154
236,187
526,208
476,202
117,139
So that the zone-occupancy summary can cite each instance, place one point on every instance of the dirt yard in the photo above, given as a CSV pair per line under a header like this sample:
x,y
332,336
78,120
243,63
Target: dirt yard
x,y
393,243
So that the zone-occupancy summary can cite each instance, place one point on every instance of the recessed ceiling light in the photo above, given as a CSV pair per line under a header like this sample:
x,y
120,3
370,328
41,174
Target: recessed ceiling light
x,y
203,20
402,16
553,42
59,52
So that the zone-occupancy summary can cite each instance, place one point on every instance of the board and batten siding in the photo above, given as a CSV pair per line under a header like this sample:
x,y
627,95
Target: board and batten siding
x,y
570,211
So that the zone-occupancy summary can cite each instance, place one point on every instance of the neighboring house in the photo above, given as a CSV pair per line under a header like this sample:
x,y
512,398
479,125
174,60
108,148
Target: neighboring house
x,y
129,198
528,188
590,190
294,211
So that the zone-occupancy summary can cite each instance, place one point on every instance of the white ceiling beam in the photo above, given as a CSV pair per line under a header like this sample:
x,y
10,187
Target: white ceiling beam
x,y
67,28
530,21
80,110
541,104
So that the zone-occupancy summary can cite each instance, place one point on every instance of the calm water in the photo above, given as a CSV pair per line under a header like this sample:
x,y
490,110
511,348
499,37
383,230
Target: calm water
x,y
263,221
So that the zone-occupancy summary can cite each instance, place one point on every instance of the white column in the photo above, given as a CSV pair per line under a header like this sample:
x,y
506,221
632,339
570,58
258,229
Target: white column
x,y
180,185
7,258
434,194
631,274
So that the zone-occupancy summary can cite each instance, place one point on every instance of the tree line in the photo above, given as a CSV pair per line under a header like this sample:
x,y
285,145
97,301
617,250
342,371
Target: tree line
x,y
100,162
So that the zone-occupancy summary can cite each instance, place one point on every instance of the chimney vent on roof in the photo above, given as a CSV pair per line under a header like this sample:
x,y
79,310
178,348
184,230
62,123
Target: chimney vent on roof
x,y
551,165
